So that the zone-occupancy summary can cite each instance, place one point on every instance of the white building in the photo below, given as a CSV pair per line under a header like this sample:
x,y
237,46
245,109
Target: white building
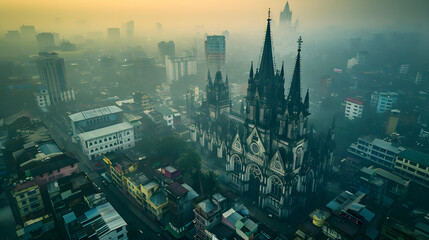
x,y
170,116
42,98
351,63
354,108
101,222
108,139
179,67
376,151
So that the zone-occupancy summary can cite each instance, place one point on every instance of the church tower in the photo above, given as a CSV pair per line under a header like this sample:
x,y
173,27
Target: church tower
x,y
218,96
286,17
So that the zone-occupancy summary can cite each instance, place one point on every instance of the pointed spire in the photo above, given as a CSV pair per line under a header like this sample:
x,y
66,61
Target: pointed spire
x,y
294,96
226,79
251,70
286,9
307,101
282,72
266,69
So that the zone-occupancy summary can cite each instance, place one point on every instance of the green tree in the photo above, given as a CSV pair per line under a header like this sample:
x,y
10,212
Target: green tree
x,y
209,183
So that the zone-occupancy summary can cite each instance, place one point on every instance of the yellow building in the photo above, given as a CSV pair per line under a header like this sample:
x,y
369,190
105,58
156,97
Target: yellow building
x,y
119,165
137,186
413,165
28,199
155,200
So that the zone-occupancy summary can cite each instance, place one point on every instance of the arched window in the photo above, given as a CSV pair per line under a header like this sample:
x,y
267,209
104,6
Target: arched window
x,y
237,164
276,187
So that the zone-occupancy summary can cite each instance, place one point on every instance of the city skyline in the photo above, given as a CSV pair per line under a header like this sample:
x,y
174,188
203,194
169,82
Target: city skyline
x,y
79,17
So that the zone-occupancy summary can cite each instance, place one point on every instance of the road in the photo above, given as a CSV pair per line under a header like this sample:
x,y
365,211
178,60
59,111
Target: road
x,y
130,213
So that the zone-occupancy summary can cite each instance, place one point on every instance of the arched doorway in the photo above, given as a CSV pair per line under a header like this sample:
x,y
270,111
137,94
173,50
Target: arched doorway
x,y
255,177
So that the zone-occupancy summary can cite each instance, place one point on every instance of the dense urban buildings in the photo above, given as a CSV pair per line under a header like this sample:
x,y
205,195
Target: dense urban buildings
x,y
170,131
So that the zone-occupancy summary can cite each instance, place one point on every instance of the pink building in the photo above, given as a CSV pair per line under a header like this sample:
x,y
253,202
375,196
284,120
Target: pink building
x,y
58,167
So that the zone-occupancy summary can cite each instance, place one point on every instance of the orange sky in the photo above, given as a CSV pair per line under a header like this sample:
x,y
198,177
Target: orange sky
x,y
80,16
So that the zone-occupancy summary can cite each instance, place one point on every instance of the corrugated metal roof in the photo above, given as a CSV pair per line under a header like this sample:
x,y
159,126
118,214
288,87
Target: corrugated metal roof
x,y
93,113
105,131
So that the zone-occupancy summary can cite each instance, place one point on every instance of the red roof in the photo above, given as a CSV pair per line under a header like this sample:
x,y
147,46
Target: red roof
x,y
176,189
354,100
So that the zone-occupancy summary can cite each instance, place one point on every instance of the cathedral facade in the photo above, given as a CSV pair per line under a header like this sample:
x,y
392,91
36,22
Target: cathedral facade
x,y
271,154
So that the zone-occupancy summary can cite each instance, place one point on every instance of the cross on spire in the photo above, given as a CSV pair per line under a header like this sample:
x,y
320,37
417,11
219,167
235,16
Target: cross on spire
x,y
269,14
299,43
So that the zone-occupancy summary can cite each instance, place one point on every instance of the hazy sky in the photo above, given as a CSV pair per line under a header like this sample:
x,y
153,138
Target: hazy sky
x,y
80,16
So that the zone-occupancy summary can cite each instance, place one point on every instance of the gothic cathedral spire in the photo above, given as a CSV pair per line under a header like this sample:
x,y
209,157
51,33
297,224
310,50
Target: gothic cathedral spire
x,y
294,97
266,69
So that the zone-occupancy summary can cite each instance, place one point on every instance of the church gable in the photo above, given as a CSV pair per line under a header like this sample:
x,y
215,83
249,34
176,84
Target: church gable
x,y
254,143
277,164
236,143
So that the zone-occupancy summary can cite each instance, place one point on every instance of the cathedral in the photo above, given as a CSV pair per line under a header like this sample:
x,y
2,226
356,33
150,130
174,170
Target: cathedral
x,y
271,155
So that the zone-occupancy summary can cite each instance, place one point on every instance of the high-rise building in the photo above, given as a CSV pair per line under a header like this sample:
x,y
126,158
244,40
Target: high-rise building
x,y
215,53
129,29
45,41
383,101
28,33
354,108
270,153
179,67
113,34
166,49
53,77
12,36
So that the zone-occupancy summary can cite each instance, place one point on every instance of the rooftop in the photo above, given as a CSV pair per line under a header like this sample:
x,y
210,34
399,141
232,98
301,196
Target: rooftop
x,y
137,178
93,113
415,156
55,163
158,198
176,189
105,131
207,206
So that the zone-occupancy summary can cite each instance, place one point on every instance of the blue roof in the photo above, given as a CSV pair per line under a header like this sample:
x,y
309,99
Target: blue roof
x,y
49,148
368,215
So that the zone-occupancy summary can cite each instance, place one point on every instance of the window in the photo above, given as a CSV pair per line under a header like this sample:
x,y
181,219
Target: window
x,y
105,139
128,133
35,205
33,199
24,202
118,230
32,192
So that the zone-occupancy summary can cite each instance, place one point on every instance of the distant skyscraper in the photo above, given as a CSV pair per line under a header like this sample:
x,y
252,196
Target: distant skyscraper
x,y
179,67
362,57
159,27
166,49
12,36
45,41
215,53
129,29
53,77
28,33
113,34
286,17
